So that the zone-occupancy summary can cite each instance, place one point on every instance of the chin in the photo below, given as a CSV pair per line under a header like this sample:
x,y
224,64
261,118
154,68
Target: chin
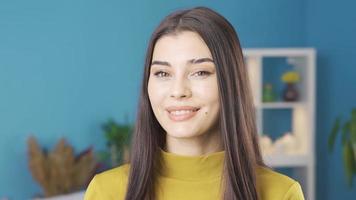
x,y
185,134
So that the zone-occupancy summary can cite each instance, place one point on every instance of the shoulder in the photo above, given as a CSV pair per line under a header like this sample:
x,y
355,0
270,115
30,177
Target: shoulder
x,y
109,184
112,174
274,185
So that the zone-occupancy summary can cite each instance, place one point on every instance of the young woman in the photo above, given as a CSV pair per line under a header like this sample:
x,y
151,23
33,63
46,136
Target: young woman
x,y
195,135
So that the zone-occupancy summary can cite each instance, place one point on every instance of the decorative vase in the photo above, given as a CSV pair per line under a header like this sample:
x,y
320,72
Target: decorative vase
x,y
290,93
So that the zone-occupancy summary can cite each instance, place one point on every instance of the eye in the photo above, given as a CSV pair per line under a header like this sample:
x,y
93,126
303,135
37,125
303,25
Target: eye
x,y
202,73
161,74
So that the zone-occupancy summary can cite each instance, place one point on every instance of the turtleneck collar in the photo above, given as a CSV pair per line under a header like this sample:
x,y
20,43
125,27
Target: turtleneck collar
x,y
204,167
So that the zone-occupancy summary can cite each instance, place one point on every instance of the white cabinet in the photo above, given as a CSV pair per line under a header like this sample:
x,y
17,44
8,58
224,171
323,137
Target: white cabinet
x,y
302,118
73,196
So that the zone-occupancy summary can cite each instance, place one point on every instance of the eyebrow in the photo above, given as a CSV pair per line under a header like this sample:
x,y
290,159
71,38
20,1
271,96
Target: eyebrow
x,y
191,61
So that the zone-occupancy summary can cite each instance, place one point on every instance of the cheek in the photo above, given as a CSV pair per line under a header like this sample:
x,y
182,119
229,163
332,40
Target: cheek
x,y
156,93
207,92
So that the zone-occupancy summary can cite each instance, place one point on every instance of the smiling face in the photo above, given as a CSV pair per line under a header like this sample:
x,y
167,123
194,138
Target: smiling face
x,y
182,86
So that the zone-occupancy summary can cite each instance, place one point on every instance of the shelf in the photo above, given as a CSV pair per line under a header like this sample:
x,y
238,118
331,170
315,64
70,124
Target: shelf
x,y
286,160
280,105
278,52
260,63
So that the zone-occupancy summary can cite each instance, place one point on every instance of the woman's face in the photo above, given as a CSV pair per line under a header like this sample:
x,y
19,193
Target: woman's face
x,y
182,86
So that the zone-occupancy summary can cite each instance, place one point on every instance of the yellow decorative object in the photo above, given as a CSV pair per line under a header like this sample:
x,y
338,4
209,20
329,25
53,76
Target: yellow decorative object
x,y
290,77
60,171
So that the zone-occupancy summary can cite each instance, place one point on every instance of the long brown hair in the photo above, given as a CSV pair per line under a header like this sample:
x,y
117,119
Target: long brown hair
x,y
237,114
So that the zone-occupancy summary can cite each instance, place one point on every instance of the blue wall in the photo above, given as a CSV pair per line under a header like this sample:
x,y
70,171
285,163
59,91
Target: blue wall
x,y
67,66
331,28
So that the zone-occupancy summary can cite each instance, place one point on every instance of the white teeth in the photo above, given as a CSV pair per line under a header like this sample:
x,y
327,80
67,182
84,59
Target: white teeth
x,y
181,112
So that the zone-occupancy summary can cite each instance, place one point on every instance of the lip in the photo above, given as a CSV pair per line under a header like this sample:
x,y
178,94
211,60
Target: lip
x,y
182,117
175,108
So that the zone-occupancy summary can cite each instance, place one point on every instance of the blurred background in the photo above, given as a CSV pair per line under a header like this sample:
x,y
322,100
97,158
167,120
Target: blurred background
x,y
72,69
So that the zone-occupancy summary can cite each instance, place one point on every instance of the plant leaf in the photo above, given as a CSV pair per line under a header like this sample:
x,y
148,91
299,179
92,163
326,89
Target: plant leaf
x,y
345,133
353,130
333,133
102,156
349,162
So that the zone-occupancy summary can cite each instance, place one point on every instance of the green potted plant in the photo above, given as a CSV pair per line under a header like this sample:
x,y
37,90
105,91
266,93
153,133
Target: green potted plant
x,y
268,94
117,137
348,141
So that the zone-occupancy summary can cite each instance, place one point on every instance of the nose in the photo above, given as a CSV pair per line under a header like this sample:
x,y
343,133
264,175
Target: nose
x,y
180,89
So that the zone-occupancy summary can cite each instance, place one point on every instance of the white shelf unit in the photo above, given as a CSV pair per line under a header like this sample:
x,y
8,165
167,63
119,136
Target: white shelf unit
x,y
303,121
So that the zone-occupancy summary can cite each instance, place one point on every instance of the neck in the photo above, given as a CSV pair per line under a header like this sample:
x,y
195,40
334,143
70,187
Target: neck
x,y
190,168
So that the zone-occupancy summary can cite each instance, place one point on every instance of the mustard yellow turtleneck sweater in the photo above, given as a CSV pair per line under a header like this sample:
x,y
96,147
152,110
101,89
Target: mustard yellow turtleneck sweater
x,y
191,177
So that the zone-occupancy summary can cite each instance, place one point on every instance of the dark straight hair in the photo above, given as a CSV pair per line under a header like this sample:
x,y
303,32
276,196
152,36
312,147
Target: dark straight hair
x,y
237,114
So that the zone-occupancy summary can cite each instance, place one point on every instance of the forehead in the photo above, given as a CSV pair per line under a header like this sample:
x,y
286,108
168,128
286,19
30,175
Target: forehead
x,y
183,45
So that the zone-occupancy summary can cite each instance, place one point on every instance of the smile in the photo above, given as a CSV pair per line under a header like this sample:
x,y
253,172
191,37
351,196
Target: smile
x,y
182,115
